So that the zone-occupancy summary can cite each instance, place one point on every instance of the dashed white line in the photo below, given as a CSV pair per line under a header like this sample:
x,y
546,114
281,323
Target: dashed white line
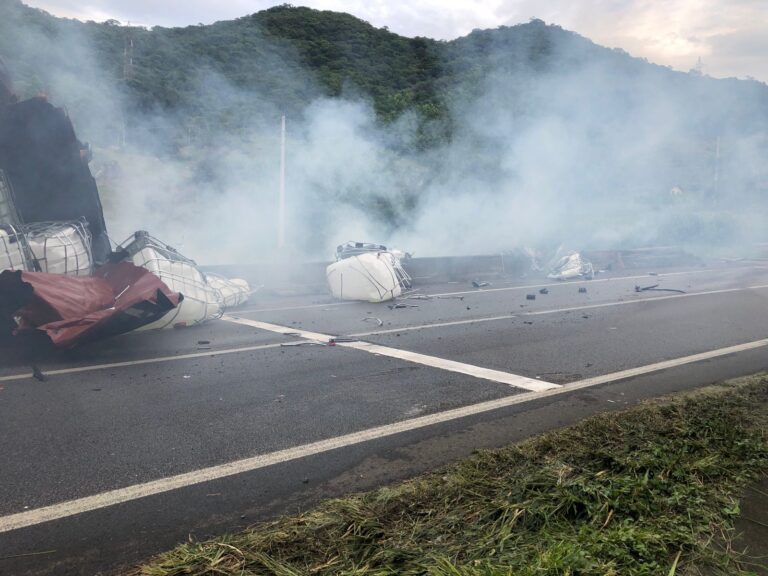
x,y
113,497
414,357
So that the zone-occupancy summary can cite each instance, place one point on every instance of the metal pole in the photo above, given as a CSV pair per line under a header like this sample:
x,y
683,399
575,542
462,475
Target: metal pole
x,y
281,209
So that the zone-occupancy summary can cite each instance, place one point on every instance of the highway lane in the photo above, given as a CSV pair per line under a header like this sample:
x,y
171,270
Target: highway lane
x,y
80,434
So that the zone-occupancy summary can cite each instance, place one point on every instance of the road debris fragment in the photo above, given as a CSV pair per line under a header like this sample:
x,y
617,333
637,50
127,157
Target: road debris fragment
x,y
479,284
38,374
400,305
530,296
570,265
378,321
341,340
582,290
450,297
655,288
544,291
302,343
417,297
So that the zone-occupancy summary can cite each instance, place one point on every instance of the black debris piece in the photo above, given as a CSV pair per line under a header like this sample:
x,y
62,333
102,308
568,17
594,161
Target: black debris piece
x,y
38,374
398,306
530,296
341,339
527,322
655,288
582,290
544,291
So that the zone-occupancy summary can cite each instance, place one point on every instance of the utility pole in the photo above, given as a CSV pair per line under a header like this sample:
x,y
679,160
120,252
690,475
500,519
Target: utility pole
x,y
281,205
127,75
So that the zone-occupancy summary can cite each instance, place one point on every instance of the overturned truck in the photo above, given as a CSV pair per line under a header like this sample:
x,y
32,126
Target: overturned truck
x,y
60,276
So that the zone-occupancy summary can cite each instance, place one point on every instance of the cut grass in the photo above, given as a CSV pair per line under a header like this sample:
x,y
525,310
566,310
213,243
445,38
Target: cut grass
x,y
648,491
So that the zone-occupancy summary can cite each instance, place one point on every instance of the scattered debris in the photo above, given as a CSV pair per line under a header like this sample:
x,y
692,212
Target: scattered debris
x,y
569,266
417,297
38,374
530,296
203,341
450,297
527,322
187,376
373,319
582,290
544,291
653,273
478,284
655,288
400,305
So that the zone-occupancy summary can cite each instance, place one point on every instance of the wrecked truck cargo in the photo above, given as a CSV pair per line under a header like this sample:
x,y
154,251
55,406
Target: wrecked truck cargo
x,y
366,272
570,266
206,297
118,298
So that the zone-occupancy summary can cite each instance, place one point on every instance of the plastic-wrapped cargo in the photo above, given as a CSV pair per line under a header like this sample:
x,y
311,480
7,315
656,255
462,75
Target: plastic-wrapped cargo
x,y
204,297
372,276
234,291
12,254
60,247
570,266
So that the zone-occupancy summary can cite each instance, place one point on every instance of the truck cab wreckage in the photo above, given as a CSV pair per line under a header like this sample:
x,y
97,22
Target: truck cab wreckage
x,y
60,276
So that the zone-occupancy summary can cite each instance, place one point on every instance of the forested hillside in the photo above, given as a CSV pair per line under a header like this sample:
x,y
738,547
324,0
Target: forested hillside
x,y
291,55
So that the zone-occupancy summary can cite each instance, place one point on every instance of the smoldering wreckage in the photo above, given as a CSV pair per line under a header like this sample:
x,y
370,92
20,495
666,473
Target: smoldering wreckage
x,y
61,278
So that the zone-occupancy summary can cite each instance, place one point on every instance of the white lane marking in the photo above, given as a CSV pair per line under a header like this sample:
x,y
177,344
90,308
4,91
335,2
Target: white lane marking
x,y
551,311
91,367
113,497
666,364
510,288
211,353
414,357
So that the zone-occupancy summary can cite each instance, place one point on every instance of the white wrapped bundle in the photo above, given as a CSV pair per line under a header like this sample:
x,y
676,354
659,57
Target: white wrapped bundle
x,y
371,276
201,302
234,291
11,251
61,248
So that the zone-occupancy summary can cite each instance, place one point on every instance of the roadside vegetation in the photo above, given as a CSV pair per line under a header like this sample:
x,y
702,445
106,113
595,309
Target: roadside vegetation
x,y
648,491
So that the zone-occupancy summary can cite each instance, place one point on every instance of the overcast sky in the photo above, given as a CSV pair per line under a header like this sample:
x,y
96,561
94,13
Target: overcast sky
x,y
730,36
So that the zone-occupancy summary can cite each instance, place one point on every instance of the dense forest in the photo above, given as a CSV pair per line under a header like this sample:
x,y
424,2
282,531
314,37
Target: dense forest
x,y
291,55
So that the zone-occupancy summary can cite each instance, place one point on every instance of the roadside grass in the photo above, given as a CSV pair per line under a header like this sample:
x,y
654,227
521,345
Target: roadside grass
x,y
652,490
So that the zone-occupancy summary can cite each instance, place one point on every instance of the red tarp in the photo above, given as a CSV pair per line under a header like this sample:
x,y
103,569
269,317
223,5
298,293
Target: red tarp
x,y
118,298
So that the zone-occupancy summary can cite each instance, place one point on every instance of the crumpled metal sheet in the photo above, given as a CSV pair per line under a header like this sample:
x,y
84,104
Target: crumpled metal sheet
x,y
118,298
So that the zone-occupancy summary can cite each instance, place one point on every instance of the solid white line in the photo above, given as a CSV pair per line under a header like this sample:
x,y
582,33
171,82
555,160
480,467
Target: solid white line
x,y
414,357
550,311
122,495
91,367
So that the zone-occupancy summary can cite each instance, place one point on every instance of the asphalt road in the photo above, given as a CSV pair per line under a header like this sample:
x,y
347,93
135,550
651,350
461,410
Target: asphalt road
x,y
128,446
